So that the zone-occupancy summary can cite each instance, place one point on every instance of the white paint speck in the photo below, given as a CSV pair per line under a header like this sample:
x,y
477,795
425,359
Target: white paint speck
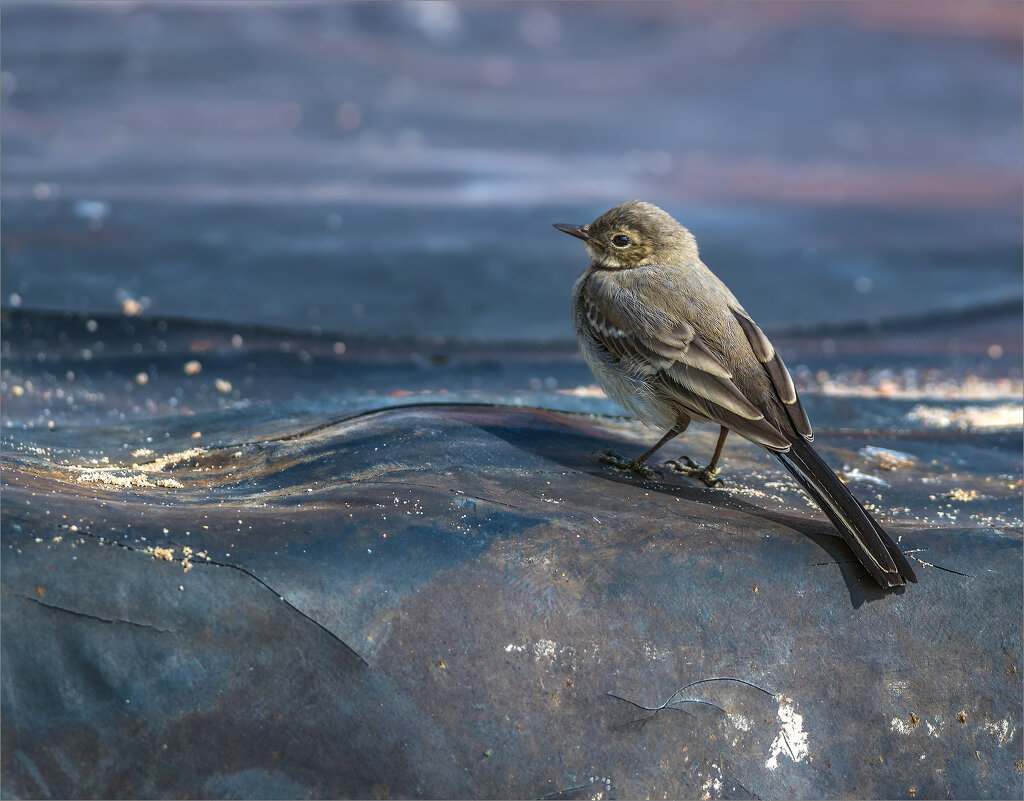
x,y
1003,730
544,648
898,687
654,653
713,785
901,726
791,739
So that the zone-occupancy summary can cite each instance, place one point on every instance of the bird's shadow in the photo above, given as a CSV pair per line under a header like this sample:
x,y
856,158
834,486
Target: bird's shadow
x,y
571,445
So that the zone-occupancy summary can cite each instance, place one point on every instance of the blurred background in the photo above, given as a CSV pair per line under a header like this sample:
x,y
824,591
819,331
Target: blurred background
x,y
387,169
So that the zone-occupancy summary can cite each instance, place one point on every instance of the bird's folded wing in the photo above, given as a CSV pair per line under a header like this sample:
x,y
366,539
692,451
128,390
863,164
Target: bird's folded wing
x,y
679,364
781,380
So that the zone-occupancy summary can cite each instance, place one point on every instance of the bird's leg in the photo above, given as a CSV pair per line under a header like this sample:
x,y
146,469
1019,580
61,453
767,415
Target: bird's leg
x,y
708,475
639,465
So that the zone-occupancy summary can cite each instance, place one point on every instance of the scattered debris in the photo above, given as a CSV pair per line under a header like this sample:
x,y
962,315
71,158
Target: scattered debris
x,y
167,554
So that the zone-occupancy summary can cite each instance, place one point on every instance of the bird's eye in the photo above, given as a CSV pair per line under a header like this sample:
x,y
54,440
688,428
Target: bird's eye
x,y
621,240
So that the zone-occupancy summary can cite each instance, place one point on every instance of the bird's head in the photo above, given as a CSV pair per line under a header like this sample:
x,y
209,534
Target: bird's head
x,y
635,234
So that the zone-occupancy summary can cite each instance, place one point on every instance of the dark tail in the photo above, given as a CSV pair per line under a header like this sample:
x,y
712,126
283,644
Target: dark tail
x,y
873,547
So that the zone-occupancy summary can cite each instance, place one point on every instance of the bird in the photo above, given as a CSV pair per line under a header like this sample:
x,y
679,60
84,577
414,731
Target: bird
x,y
669,342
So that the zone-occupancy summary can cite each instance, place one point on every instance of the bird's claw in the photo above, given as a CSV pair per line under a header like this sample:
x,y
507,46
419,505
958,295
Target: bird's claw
x,y
635,466
705,475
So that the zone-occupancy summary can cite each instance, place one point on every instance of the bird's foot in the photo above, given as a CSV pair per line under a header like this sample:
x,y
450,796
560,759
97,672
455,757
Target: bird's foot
x,y
635,466
709,477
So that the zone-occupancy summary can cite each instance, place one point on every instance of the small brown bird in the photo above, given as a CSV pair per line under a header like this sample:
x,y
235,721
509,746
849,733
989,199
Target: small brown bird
x,y
668,341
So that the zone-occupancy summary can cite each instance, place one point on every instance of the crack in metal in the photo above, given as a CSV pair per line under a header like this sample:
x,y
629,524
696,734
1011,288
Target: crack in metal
x,y
100,618
241,569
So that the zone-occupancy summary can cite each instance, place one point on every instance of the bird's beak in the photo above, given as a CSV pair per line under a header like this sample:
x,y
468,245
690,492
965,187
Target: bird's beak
x,y
578,231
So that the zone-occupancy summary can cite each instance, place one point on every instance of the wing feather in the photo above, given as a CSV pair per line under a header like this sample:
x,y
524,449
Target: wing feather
x,y
782,381
679,364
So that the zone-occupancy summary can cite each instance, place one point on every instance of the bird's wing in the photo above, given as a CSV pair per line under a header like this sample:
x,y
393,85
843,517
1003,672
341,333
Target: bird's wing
x,y
679,364
782,381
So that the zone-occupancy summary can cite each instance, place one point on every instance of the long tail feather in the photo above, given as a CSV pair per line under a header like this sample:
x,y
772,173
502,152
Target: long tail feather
x,y
868,540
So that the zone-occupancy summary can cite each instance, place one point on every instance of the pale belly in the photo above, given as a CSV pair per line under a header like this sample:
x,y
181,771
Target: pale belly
x,y
631,391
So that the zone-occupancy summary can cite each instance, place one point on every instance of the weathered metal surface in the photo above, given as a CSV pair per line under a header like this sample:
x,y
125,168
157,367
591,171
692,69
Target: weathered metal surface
x,y
459,600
